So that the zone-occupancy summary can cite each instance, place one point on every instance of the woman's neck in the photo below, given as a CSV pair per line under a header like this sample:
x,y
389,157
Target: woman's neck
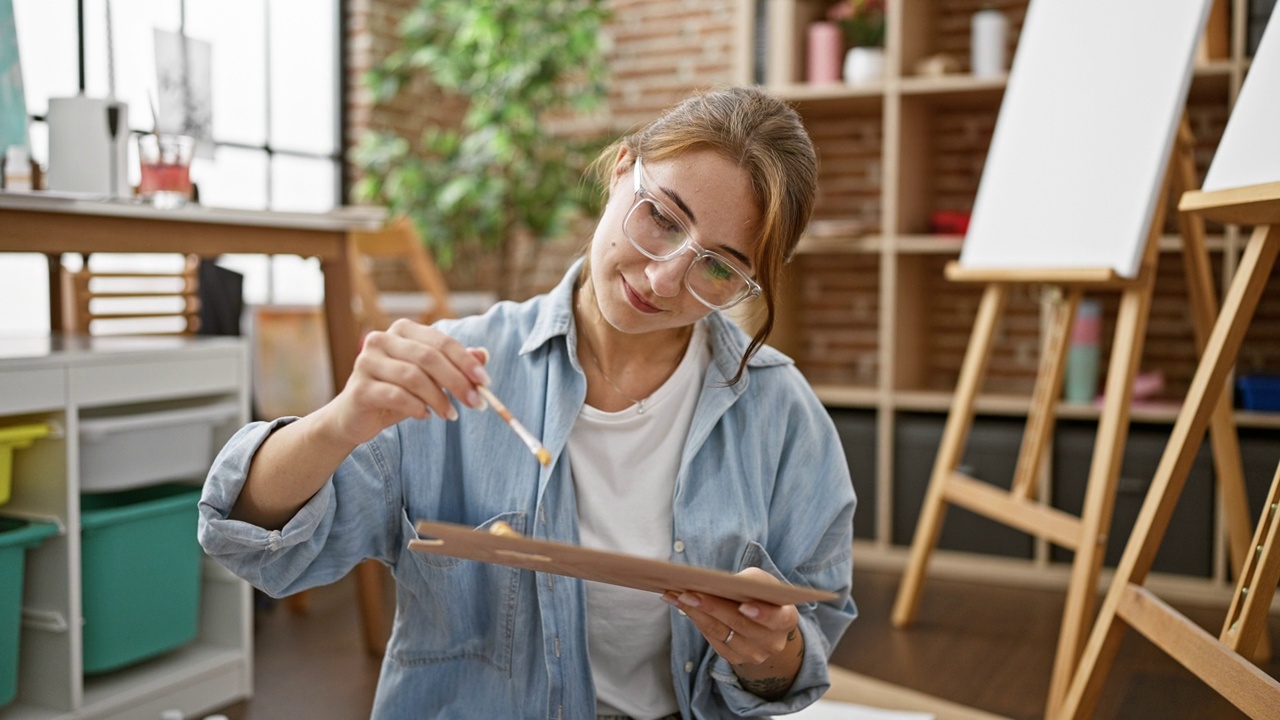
x,y
632,366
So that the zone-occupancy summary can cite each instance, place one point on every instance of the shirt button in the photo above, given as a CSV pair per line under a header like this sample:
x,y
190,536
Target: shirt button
x,y
688,666
679,546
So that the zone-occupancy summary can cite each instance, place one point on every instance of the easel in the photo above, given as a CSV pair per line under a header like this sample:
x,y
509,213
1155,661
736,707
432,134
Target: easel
x,y
1249,194
1016,507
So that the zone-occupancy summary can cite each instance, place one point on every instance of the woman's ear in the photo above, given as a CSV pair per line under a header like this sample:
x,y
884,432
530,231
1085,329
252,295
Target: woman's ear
x,y
622,164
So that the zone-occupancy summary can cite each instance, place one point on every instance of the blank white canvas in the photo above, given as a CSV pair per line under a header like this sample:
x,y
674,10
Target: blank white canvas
x,y
1249,152
1084,134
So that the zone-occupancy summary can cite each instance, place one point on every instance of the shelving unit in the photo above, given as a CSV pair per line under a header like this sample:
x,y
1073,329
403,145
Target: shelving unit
x,y
880,333
62,381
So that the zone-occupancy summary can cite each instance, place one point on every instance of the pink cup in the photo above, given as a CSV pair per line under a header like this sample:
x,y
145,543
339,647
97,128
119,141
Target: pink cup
x,y
826,50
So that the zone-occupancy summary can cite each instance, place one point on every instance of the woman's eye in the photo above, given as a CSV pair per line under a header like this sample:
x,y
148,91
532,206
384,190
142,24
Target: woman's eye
x,y
716,269
661,220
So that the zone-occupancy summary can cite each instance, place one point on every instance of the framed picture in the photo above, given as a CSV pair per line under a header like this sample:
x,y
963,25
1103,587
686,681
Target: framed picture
x,y
13,104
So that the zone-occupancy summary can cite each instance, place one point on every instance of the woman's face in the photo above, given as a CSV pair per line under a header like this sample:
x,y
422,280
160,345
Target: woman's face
x,y
711,197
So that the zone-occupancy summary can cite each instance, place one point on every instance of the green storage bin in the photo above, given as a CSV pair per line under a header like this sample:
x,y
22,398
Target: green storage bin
x,y
140,574
16,537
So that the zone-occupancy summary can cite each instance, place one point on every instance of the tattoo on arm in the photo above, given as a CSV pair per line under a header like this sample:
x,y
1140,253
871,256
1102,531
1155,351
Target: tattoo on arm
x,y
770,688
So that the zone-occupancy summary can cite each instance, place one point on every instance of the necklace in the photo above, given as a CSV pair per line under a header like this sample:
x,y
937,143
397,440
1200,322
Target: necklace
x,y
595,360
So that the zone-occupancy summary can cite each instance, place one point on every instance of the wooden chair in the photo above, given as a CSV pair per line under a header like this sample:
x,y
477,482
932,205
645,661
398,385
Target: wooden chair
x,y
132,302
398,242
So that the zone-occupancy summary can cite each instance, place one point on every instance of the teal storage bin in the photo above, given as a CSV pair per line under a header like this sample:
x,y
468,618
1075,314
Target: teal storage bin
x,y
140,574
16,537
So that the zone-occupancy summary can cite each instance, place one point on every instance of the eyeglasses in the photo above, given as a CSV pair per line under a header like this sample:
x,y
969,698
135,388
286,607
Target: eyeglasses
x,y
659,234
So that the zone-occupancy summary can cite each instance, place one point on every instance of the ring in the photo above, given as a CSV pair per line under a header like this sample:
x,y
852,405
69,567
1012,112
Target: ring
x,y
729,639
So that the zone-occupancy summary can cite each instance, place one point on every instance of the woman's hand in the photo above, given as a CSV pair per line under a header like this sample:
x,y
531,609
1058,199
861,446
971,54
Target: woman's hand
x,y
407,371
763,642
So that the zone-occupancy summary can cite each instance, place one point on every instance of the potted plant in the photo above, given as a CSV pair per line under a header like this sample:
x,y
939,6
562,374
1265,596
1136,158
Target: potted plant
x,y
501,174
863,25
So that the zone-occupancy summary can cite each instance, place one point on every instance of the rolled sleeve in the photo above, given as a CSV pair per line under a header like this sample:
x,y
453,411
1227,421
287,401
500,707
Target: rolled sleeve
x,y
312,548
810,683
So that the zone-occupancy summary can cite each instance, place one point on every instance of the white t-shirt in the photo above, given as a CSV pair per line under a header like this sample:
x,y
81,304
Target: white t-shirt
x,y
624,472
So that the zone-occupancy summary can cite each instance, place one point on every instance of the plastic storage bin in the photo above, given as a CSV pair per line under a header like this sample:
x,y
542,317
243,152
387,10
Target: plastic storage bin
x,y
140,574
132,450
16,537
15,438
1259,392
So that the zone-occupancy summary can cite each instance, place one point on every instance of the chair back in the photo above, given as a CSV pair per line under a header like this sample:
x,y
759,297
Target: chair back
x,y
398,242
132,302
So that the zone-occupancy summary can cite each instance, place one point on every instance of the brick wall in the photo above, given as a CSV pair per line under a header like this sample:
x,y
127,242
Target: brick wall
x,y
657,51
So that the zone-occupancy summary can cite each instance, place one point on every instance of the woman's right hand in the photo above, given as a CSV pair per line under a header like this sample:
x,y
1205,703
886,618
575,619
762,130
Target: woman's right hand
x,y
407,371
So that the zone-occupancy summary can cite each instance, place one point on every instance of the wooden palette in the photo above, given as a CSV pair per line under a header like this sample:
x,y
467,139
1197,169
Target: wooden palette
x,y
514,550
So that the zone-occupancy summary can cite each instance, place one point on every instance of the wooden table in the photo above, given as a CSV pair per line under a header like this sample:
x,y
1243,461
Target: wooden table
x,y
57,223
54,223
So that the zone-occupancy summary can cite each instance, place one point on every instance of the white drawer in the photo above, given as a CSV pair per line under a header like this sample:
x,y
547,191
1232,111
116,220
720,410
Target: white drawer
x,y
32,390
155,380
136,449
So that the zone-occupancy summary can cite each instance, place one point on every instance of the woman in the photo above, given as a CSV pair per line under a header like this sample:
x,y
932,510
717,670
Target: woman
x,y
674,435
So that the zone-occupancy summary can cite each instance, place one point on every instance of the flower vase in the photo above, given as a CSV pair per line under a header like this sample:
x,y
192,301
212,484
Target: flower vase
x,y
863,65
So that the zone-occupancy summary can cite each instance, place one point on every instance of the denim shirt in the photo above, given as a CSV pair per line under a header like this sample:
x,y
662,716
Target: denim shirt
x,y
763,482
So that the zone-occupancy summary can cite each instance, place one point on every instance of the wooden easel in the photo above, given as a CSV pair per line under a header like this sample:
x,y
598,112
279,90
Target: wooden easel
x,y
1245,182
1017,507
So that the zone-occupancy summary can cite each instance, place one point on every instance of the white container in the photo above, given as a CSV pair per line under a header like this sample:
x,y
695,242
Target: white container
x,y
864,65
128,451
17,168
988,43
83,155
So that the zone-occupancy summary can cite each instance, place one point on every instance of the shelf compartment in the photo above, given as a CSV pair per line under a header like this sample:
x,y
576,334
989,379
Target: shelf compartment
x,y
851,169
177,444
1189,551
941,165
935,322
931,27
990,456
857,431
838,309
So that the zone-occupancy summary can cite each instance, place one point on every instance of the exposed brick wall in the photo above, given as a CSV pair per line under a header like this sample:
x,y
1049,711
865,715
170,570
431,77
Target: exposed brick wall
x,y
657,52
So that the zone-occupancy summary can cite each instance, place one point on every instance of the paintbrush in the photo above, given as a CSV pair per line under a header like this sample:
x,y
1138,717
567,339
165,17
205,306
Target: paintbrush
x,y
540,452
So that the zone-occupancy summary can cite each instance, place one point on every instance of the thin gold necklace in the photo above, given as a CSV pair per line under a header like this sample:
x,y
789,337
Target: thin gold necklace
x,y
595,360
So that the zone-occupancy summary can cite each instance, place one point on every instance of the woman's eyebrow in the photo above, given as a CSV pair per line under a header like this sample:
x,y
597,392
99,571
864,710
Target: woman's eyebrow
x,y
679,201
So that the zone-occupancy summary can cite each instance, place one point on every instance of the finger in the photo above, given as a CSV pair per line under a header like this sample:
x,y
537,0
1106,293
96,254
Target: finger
x,y
405,364
460,357
440,358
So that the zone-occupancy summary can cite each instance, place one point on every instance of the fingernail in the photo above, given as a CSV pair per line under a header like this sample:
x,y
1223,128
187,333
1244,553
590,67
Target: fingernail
x,y
750,611
453,413
474,400
481,376
689,599
670,599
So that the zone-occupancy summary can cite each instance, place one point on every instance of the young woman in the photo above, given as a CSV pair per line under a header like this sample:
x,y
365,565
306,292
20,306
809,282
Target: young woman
x,y
673,435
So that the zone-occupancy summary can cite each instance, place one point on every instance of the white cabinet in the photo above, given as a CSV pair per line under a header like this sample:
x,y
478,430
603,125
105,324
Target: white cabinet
x,y
106,390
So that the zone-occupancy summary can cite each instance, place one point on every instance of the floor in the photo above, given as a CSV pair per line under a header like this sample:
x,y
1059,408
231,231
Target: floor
x,y
981,646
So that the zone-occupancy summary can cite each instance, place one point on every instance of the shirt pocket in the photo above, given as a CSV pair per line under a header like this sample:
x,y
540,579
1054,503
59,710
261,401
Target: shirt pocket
x,y
453,609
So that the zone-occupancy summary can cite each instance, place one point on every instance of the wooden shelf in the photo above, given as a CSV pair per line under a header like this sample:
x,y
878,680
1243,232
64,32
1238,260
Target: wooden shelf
x,y
869,315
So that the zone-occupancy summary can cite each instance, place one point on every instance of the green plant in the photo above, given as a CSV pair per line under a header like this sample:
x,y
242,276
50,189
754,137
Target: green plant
x,y
501,171
861,21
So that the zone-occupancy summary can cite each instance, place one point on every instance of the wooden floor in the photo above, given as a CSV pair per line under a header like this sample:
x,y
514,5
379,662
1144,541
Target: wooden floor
x,y
982,646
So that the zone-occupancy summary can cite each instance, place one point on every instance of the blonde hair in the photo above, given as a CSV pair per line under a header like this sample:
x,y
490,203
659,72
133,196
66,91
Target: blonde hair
x,y
765,137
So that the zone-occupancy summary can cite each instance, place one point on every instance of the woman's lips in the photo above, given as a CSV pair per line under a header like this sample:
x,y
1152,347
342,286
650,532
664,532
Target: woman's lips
x,y
637,301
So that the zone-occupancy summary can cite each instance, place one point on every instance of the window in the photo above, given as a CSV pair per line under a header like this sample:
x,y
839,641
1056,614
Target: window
x,y
276,119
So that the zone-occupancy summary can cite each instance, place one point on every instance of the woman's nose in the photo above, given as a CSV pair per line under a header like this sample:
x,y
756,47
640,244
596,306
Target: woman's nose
x,y
667,277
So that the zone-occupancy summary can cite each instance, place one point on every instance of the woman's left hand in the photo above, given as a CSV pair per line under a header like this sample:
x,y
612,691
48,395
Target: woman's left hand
x,y
762,641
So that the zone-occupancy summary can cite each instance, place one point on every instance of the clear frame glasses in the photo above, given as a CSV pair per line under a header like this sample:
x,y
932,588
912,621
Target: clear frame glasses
x,y
659,234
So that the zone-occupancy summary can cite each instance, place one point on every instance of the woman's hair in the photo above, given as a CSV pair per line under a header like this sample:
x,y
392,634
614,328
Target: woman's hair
x,y
762,135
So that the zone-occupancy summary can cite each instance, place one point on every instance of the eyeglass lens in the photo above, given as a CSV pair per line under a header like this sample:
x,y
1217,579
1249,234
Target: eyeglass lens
x,y
711,278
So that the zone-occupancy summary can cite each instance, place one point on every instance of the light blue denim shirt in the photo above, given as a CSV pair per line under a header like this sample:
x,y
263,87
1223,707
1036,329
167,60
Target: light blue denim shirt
x,y
762,482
